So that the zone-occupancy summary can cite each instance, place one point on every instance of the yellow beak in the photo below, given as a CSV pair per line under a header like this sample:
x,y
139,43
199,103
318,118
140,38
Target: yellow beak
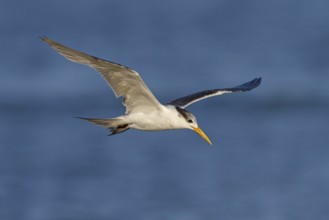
x,y
200,132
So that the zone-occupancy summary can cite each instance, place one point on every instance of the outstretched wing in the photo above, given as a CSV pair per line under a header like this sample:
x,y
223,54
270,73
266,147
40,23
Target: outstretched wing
x,y
195,97
123,80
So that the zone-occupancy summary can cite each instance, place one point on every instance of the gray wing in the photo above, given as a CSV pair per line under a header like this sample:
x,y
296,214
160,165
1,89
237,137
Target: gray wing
x,y
195,97
123,80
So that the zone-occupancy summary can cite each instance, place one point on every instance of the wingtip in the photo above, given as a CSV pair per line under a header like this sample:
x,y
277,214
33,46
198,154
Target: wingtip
x,y
43,37
255,82
259,81
82,118
46,40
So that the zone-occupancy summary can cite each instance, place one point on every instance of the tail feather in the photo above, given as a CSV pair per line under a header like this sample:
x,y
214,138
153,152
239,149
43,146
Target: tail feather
x,y
115,125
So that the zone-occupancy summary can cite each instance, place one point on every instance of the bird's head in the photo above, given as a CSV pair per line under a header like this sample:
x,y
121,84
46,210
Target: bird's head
x,y
191,123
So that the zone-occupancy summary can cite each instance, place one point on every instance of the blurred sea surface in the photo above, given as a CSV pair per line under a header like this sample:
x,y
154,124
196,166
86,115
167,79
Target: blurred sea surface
x,y
269,158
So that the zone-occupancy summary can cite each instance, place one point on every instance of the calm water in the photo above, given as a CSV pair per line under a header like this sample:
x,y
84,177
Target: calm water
x,y
270,154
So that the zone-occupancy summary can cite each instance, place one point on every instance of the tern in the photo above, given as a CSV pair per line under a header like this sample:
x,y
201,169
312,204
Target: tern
x,y
143,110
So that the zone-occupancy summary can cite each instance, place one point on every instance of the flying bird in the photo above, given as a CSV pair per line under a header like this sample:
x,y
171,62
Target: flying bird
x,y
143,110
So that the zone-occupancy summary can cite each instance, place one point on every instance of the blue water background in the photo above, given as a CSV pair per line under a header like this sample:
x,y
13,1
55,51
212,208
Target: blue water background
x,y
270,154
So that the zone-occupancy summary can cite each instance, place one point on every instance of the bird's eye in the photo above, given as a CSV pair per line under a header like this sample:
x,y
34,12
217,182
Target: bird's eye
x,y
189,121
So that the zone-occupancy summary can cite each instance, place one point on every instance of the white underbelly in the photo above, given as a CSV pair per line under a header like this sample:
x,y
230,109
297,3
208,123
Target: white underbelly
x,y
153,121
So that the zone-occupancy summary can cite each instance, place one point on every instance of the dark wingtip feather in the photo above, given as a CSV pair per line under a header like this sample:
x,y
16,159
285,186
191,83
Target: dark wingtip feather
x,y
255,83
44,38
248,85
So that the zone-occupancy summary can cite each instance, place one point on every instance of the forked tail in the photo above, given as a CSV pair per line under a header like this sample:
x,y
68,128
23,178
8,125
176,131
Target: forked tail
x,y
115,125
